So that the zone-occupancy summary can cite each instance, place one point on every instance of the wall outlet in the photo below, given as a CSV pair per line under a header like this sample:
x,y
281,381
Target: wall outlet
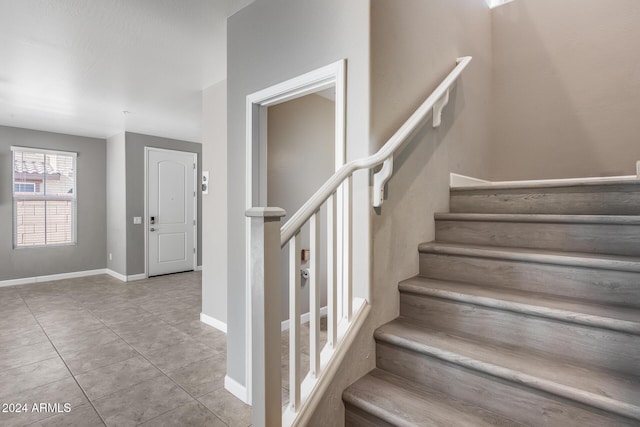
x,y
137,220
110,256
205,182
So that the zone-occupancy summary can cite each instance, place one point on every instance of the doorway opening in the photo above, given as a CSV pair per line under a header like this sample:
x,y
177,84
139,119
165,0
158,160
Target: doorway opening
x,y
314,92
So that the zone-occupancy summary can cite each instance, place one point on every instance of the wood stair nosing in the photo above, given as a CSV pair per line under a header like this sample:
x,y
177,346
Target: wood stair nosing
x,y
545,374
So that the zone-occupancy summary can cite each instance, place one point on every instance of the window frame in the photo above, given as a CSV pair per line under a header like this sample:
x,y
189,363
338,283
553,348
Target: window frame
x,y
44,197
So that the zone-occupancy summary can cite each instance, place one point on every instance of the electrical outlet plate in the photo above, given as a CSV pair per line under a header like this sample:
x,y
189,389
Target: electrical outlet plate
x,y
205,182
137,220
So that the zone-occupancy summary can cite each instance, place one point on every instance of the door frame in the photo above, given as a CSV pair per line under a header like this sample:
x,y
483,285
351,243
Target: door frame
x,y
147,150
332,75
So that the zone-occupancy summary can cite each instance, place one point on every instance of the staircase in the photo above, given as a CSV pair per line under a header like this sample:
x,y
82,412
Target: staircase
x,y
526,312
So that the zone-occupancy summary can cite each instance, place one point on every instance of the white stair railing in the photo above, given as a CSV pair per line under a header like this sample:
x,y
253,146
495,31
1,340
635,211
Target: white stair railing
x,y
268,238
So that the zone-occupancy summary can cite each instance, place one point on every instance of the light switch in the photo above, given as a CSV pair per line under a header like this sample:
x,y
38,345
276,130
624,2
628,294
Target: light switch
x,y
137,220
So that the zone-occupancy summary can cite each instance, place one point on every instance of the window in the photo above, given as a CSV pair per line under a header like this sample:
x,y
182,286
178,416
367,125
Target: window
x,y
24,187
44,197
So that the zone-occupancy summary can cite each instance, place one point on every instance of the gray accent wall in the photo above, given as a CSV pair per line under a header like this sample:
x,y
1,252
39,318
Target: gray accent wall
x,y
90,251
135,144
116,205
268,42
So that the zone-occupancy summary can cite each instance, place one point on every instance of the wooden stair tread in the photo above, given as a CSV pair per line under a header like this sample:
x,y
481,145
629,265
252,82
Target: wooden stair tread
x,y
623,319
401,402
575,259
600,388
541,218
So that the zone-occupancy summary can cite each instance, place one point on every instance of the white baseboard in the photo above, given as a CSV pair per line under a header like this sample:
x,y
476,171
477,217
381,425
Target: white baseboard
x,y
198,268
303,319
116,275
124,278
213,322
457,180
51,277
461,181
235,388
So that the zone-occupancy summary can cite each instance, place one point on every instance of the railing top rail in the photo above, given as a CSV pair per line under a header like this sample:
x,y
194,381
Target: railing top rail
x,y
297,220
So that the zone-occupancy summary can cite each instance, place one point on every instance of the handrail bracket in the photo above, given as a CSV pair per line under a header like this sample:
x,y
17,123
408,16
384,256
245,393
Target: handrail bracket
x,y
438,107
380,179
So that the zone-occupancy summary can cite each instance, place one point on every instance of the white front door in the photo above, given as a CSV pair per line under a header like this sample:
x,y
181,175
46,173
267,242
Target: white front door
x,y
171,211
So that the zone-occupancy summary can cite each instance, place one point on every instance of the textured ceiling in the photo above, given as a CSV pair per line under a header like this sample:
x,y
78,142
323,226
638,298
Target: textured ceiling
x,y
74,66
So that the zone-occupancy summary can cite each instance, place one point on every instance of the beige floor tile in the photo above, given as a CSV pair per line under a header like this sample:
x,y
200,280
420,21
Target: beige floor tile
x,y
99,356
13,357
176,356
141,402
228,408
81,416
192,414
118,376
17,380
84,341
58,392
202,377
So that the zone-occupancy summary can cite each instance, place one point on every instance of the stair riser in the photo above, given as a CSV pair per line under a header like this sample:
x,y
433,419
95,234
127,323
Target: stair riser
x,y
594,346
518,402
615,239
355,417
588,200
597,285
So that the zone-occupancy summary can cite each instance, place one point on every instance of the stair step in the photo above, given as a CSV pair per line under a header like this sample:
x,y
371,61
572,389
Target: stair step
x,y
535,328
406,349
608,279
596,198
616,318
380,397
609,234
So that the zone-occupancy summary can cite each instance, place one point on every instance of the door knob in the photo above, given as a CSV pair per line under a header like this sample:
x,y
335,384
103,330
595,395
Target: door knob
x,y
152,229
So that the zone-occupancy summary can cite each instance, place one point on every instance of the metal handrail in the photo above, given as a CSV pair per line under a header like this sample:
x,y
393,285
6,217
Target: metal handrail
x,y
434,103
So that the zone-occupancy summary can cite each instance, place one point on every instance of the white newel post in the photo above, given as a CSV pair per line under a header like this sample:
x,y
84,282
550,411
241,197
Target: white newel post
x,y
265,324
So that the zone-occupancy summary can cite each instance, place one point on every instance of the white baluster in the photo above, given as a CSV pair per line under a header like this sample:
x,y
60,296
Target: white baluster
x,y
332,282
294,322
347,287
314,296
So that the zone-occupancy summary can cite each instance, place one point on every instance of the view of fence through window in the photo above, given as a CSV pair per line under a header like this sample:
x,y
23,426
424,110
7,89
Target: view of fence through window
x,y
44,196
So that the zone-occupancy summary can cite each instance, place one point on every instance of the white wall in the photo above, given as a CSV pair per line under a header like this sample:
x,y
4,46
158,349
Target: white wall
x,y
116,205
214,204
566,88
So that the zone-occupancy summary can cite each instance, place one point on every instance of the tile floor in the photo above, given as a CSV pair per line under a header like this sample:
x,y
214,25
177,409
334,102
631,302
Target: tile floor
x,y
121,354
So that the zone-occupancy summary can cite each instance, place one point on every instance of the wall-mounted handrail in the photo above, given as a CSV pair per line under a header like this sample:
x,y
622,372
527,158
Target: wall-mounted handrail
x,y
299,219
